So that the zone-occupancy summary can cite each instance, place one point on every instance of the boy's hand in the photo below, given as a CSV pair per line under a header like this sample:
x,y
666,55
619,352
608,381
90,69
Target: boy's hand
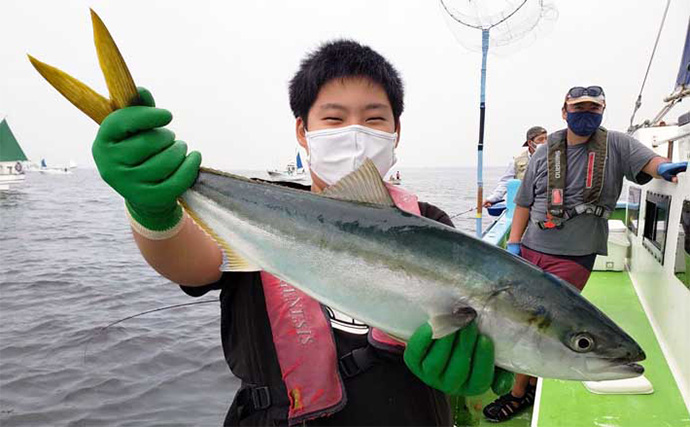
x,y
461,363
142,161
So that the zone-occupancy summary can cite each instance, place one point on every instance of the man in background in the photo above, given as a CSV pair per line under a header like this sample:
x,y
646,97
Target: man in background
x,y
570,188
536,136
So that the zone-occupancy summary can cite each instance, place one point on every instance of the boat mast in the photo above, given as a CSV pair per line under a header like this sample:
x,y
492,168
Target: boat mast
x,y
480,144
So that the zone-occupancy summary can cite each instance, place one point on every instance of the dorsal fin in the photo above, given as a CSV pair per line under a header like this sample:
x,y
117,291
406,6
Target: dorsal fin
x,y
363,185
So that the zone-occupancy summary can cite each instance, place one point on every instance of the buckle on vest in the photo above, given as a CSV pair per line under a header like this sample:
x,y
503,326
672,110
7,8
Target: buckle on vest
x,y
348,366
585,208
357,361
550,224
261,398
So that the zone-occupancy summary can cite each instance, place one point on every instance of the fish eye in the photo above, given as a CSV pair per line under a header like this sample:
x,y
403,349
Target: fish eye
x,y
582,342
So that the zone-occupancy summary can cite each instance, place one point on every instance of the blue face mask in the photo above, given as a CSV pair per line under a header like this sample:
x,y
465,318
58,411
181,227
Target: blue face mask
x,y
584,123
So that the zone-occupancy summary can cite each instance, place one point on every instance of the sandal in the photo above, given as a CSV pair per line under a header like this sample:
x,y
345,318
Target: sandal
x,y
507,406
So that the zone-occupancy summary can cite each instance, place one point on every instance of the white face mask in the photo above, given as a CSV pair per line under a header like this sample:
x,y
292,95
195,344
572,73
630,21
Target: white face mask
x,y
334,153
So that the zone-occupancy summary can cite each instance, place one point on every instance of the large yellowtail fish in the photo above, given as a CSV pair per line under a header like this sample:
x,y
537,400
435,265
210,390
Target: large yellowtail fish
x,y
352,249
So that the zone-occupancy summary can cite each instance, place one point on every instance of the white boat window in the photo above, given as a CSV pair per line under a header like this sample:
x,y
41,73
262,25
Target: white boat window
x,y
656,224
633,209
682,266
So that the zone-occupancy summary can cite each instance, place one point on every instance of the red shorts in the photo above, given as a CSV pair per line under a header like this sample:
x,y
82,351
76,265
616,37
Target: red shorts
x,y
573,269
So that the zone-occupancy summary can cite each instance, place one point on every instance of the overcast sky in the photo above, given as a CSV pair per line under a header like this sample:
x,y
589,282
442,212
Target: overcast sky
x,y
222,68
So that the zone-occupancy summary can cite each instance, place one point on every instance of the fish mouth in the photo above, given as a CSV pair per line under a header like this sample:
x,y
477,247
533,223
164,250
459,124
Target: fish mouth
x,y
635,368
628,364
616,368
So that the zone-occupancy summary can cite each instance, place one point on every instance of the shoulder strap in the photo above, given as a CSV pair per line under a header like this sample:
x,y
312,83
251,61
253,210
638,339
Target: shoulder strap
x,y
597,151
556,163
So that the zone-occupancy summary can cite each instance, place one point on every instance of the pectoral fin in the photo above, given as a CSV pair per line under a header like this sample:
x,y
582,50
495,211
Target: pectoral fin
x,y
446,324
232,261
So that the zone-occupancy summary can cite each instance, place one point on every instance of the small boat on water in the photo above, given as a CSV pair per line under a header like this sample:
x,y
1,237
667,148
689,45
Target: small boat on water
x,y
12,158
395,178
54,170
294,172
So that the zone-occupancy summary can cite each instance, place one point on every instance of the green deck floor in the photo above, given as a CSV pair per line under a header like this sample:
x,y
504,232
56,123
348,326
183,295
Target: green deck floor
x,y
568,403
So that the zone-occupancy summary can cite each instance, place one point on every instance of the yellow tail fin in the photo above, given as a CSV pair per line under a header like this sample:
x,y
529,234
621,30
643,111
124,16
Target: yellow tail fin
x,y
123,91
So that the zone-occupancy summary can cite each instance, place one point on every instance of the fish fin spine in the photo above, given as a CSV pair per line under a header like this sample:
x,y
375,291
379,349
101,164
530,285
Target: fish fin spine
x,y
232,261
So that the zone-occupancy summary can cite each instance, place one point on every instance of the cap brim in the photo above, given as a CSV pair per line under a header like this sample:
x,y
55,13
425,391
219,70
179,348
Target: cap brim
x,y
526,144
597,100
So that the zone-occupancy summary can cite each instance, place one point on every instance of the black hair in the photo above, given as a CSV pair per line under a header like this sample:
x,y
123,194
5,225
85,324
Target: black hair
x,y
342,59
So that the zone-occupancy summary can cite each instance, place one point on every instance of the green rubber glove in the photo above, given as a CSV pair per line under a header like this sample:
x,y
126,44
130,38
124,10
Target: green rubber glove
x,y
461,363
141,160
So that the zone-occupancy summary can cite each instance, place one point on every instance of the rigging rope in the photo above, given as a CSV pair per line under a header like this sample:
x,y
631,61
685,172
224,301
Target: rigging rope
x,y
638,102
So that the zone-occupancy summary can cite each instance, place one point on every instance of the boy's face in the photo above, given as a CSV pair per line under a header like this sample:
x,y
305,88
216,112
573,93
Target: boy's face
x,y
345,102
349,101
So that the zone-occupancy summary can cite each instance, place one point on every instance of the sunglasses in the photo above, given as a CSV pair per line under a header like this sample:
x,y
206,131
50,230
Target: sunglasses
x,y
579,91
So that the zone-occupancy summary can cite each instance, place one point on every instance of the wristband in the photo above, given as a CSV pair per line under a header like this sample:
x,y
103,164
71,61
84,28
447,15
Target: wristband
x,y
164,228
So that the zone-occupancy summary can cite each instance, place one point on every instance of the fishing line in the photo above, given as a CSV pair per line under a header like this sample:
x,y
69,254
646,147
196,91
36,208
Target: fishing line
x,y
462,213
168,307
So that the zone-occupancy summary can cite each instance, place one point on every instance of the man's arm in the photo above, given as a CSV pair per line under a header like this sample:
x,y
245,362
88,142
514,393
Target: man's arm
x,y
189,258
500,190
652,168
520,220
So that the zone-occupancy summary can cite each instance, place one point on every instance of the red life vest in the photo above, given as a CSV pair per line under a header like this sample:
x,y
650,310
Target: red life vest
x,y
305,345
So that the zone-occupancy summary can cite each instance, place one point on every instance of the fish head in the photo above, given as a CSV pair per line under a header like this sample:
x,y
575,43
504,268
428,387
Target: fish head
x,y
559,334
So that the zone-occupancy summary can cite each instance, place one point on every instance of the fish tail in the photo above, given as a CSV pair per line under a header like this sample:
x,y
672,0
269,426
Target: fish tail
x,y
121,87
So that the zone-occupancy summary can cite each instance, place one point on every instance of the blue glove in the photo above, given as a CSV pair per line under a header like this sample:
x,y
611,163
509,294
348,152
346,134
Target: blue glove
x,y
513,248
669,170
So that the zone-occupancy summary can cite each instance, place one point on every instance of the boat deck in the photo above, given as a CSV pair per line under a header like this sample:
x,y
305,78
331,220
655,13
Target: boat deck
x,y
568,403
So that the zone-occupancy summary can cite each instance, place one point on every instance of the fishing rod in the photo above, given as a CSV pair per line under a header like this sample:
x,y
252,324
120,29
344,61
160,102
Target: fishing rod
x,y
470,210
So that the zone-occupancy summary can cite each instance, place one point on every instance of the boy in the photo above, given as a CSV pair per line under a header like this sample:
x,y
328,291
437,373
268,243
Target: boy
x,y
347,100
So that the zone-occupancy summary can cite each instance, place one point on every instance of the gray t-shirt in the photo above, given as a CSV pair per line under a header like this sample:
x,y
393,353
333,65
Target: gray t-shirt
x,y
585,234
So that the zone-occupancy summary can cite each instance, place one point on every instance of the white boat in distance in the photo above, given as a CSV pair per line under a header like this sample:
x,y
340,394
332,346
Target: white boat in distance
x,y
54,171
294,172
12,157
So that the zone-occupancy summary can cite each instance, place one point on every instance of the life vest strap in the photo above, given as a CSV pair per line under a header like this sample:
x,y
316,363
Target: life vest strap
x,y
588,208
557,223
552,223
253,398
357,361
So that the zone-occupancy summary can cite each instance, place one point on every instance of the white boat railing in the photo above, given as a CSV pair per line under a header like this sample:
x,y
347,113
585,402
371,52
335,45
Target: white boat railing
x,y
498,231
671,139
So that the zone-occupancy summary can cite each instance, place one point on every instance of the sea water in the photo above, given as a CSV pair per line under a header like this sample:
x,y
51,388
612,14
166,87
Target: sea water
x,y
69,268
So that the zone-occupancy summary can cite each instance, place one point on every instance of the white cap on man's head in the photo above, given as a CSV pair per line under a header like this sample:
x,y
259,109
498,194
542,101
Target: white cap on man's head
x,y
579,94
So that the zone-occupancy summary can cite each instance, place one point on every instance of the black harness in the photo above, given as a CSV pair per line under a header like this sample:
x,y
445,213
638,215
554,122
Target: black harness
x,y
597,150
253,398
